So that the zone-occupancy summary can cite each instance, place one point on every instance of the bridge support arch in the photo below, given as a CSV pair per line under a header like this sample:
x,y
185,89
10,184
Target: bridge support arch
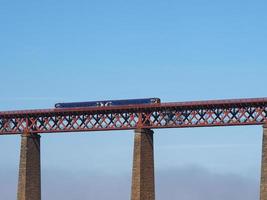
x,y
143,184
29,183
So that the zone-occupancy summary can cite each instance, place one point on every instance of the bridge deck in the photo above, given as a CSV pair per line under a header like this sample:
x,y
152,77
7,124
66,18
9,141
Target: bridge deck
x,y
165,115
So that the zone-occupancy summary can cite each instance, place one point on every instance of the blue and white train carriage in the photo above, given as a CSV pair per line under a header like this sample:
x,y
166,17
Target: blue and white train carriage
x,y
108,103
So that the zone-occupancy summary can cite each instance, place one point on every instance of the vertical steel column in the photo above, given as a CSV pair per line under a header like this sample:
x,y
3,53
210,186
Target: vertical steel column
x,y
143,186
29,185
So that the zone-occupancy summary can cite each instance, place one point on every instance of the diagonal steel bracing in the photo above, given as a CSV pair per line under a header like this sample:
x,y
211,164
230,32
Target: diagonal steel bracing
x,y
164,115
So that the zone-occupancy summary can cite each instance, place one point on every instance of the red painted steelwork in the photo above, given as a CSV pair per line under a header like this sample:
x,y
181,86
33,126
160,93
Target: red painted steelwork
x,y
165,115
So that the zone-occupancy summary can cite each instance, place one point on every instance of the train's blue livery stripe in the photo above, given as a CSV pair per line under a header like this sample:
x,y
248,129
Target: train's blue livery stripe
x,y
108,103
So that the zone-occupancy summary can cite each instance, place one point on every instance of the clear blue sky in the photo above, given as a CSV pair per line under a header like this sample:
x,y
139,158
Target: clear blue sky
x,y
57,51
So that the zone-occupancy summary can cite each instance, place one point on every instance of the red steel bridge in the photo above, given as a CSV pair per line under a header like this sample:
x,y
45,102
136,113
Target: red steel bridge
x,y
152,116
142,118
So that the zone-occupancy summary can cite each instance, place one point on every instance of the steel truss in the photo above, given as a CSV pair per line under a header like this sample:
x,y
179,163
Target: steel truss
x,y
164,115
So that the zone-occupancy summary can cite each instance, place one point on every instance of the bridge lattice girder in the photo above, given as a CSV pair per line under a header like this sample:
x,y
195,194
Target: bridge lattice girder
x,y
153,116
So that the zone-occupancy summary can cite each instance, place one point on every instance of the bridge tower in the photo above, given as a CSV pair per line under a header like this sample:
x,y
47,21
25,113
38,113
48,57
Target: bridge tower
x,y
29,184
263,188
143,186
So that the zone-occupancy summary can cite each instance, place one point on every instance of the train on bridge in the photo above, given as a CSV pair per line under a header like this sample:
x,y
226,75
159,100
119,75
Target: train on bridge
x,y
105,103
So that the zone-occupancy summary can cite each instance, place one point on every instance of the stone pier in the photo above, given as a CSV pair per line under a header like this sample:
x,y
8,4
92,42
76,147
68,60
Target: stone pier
x,y
143,186
263,191
29,184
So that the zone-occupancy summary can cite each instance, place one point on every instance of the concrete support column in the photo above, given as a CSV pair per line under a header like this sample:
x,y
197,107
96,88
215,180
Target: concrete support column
x,y
263,193
29,185
143,186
